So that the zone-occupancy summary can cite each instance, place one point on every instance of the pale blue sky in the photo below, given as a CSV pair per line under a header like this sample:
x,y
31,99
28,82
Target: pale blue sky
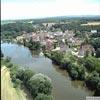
x,y
19,9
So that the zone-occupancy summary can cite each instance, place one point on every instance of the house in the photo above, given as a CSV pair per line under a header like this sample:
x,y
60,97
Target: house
x,y
84,48
93,31
49,44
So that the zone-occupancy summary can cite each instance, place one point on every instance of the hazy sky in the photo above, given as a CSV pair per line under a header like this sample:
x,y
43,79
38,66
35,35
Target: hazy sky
x,y
19,9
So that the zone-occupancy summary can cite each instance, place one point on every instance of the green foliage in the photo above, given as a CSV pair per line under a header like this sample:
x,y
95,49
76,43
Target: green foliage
x,y
44,97
7,59
17,27
95,35
32,45
35,83
65,63
27,75
39,83
2,55
98,53
96,43
97,92
56,56
17,82
9,65
91,63
92,80
74,74
79,34
13,71
76,71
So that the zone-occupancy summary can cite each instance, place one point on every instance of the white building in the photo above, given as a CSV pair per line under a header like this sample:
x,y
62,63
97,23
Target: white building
x,y
93,31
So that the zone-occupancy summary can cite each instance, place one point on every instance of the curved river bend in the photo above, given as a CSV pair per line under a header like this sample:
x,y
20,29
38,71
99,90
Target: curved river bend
x,y
63,87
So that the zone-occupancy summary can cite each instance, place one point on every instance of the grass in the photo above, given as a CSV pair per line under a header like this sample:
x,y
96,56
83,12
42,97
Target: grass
x,y
8,92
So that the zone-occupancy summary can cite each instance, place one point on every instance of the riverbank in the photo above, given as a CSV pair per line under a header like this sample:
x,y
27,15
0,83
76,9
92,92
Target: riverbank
x,y
60,80
38,85
86,69
8,92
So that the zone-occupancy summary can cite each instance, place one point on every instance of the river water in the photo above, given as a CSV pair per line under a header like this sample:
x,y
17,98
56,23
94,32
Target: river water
x,y
63,87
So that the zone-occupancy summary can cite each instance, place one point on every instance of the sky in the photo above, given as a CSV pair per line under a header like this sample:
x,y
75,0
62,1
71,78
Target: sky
x,y
24,9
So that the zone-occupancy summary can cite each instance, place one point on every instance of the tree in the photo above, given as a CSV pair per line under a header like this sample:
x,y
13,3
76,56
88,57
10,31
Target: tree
x,y
44,97
92,63
92,80
76,71
20,74
2,55
97,92
98,53
7,59
57,56
89,63
24,75
9,65
81,72
74,74
40,83
95,43
27,75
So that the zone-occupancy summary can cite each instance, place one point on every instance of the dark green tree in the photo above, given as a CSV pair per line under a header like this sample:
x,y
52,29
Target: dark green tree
x,y
98,53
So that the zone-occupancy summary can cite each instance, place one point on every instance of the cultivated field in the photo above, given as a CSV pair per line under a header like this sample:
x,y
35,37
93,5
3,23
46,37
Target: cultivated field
x,y
7,90
91,23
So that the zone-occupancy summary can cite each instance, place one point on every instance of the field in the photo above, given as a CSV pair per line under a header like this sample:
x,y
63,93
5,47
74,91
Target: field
x,y
91,23
8,91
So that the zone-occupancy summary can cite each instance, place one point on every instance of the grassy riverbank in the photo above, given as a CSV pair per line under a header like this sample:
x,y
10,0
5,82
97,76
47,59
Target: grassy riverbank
x,y
16,80
8,92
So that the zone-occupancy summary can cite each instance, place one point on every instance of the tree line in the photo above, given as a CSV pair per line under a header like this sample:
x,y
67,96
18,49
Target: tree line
x,y
86,69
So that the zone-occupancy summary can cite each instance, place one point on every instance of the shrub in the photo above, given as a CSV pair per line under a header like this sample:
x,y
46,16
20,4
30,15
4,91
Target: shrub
x,y
7,59
89,64
2,55
9,65
43,97
97,92
65,63
92,80
74,74
17,83
57,56
20,74
98,53
76,71
13,71
27,74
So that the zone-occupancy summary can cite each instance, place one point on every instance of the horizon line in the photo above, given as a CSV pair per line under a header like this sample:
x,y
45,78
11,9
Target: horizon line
x,y
51,17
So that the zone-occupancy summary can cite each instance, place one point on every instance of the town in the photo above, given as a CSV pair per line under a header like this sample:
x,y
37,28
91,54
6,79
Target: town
x,y
65,50
60,41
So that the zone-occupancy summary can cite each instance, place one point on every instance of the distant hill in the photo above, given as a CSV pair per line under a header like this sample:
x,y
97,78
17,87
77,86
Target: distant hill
x,y
7,21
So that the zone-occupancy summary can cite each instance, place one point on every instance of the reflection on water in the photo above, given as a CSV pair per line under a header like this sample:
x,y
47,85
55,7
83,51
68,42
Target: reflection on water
x,y
75,83
61,71
63,87
35,53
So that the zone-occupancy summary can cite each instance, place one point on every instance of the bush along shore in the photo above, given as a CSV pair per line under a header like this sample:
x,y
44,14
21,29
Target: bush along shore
x,y
38,85
86,69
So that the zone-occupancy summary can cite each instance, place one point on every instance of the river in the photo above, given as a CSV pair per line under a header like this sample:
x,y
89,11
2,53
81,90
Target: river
x,y
63,87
